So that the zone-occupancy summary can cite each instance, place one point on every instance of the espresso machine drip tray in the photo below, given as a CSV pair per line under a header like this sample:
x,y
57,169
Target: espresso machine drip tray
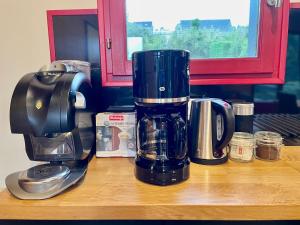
x,y
44,177
43,181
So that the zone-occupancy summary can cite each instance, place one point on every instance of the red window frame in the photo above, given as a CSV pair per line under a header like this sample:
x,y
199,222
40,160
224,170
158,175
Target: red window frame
x,y
295,5
268,67
68,12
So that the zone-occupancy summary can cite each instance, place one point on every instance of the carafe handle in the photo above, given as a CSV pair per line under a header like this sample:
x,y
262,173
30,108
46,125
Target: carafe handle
x,y
179,130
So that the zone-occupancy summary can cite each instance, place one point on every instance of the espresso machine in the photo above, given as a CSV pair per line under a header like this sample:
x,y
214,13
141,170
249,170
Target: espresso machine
x,y
161,94
53,110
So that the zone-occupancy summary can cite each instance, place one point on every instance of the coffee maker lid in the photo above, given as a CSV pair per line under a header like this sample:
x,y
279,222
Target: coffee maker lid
x,y
154,61
160,74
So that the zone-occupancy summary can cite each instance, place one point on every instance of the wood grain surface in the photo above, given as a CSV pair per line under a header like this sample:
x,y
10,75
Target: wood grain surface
x,y
234,191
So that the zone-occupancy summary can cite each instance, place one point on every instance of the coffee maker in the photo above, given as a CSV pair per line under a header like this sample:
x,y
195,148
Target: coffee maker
x,y
53,109
161,94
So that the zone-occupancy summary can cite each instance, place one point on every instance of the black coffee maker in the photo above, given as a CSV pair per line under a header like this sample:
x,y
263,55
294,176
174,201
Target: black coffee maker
x,y
161,93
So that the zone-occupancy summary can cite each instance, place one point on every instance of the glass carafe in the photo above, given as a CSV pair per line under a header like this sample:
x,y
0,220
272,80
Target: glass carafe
x,y
161,137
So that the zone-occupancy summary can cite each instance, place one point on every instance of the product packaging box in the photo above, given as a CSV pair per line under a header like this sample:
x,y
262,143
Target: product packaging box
x,y
115,134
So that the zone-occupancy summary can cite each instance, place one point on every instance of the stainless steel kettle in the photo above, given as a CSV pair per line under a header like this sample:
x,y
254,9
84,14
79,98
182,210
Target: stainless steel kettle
x,y
211,126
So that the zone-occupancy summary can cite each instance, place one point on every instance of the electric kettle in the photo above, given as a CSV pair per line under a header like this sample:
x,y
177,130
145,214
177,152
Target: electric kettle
x,y
211,127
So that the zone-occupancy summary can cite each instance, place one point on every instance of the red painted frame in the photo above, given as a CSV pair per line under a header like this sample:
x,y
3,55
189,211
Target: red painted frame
x,y
295,5
68,12
267,69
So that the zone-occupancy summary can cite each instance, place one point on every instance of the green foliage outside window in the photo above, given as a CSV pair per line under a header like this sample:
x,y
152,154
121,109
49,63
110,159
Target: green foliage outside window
x,y
202,43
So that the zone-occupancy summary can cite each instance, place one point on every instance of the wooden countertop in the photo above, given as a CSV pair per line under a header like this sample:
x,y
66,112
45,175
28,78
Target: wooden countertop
x,y
234,191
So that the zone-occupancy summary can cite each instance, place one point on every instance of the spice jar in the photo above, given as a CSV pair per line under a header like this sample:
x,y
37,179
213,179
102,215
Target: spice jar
x,y
242,147
268,145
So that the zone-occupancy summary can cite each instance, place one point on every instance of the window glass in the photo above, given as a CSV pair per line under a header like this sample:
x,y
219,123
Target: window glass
x,y
291,88
292,80
76,38
208,29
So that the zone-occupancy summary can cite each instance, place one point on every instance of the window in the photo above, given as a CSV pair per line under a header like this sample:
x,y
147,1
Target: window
x,y
231,42
73,34
207,32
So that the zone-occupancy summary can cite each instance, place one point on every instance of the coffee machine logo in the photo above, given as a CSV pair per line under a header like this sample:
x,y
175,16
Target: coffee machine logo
x,y
161,89
38,104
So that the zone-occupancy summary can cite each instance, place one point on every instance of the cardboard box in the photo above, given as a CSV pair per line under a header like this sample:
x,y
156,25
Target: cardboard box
x,y
115,134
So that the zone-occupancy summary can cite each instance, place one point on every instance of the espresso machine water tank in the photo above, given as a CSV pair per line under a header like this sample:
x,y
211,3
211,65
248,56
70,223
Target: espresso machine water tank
x,y
161,93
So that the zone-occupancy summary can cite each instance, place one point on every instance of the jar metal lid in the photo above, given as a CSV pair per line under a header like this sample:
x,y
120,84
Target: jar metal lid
x,y
242,139
243,109
268,138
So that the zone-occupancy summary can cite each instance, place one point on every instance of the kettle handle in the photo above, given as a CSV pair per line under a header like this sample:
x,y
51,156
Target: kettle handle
x,y
226,111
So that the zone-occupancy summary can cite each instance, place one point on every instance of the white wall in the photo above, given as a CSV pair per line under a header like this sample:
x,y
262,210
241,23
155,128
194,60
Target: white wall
x,y
294,0
23,48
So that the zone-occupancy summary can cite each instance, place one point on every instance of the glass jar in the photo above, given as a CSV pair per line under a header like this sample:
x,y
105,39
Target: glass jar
x,y
268,145
242,147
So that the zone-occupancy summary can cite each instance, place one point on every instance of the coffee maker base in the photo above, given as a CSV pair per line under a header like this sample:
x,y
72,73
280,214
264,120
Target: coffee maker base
x,y
162,178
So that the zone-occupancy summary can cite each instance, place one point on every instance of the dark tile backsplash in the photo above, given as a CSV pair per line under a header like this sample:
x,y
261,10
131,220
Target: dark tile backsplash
x,y
106,96
267,98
